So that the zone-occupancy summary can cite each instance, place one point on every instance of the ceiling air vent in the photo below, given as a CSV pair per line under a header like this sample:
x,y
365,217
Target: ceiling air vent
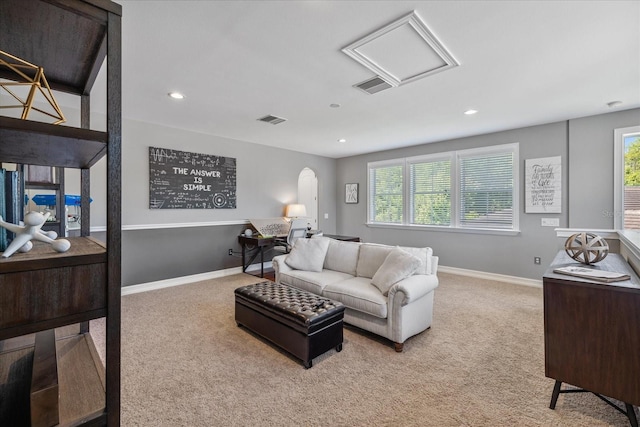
x,y
373,85
272,119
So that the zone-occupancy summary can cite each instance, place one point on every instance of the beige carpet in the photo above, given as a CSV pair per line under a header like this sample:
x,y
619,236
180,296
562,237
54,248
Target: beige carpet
x,y
186,363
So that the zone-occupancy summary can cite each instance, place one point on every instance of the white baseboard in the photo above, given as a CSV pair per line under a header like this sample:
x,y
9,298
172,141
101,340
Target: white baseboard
x,y
491,276
176,281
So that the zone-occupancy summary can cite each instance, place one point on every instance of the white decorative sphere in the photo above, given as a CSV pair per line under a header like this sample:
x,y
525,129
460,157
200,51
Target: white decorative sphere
x,y
61,245
248,232
26,247
51,234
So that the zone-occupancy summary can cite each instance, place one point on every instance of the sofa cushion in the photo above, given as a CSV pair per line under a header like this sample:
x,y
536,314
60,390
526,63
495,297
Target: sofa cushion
x,y
358,294
312,281
371,258
425,256
342,256
397,266
308,254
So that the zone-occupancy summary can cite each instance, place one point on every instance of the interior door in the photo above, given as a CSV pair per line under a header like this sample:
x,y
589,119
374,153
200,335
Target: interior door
x,y
308,195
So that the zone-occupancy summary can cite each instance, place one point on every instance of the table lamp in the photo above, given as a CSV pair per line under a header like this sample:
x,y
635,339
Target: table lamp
x,y
295,211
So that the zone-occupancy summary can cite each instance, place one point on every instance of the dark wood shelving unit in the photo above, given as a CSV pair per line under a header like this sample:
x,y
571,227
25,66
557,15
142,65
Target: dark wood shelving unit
x,y
49,376
592,333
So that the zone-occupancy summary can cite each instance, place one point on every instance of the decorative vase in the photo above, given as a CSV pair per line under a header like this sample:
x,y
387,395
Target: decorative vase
x,y
587,248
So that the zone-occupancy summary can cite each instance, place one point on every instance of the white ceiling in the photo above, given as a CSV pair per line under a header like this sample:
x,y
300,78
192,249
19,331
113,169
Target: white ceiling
x,y
521,63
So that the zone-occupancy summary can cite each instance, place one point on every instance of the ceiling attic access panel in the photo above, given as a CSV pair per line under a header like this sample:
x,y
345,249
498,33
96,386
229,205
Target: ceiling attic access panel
x,y
17,18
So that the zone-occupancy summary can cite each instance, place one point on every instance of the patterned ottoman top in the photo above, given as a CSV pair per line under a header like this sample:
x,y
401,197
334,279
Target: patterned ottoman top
x,y
302,305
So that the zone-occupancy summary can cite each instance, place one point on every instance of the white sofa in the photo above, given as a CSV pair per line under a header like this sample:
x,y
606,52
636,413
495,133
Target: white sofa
x,y
387,290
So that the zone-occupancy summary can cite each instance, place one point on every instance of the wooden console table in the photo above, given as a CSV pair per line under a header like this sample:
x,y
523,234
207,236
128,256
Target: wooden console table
x,y
260,243
592,333
338,237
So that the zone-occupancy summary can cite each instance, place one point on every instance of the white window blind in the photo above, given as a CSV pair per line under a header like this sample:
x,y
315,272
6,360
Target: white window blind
x,y
486,191
465,189
430,190
386,194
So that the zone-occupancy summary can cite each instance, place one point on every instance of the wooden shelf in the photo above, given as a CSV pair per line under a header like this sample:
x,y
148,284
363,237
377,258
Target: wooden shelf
x,y
81,376
72,44
81,382
44,144
44,394
30,185
83,250
43,289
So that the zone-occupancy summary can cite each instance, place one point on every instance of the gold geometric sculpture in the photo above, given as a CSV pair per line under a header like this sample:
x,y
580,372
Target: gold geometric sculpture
x,y
587,248
32,77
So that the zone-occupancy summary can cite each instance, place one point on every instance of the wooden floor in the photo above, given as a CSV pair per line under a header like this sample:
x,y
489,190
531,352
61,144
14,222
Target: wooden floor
x,y
269,274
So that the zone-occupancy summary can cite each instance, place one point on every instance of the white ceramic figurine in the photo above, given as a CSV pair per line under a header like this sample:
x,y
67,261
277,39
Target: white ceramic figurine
x,y
33,222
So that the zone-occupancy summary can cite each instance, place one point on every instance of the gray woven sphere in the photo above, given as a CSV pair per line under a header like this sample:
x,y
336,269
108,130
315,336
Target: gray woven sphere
x,y
587,248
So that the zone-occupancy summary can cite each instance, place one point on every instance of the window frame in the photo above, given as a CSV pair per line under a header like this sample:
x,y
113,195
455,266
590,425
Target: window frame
x,y
455,158
430,158
619,136
379,165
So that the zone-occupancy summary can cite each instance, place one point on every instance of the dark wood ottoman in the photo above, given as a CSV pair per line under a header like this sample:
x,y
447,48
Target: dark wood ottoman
x,y
304,324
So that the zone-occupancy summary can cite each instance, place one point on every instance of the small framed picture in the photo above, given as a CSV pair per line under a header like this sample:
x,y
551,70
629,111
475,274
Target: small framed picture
x,y
351,193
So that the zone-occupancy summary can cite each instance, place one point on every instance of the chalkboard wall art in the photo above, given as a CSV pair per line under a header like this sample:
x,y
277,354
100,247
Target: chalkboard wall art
x,y
183,180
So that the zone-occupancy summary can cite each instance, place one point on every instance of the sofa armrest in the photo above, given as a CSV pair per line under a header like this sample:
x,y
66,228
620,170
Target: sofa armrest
x,y
434,265
413,288
279,266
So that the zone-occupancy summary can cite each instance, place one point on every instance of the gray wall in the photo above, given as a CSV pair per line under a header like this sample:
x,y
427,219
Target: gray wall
x,y
267,179
170,243
150,255
591,168
586,148
156,244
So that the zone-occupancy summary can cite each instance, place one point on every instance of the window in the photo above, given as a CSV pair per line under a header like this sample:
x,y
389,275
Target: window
x,y
627,178
467,189
430,190
386,194
486,190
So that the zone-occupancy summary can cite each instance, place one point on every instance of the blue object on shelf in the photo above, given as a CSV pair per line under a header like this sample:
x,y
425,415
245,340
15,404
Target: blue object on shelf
x,y
50,200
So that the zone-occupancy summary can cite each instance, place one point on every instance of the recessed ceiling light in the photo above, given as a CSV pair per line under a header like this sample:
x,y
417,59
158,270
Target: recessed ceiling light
x,y
614,104
342,140
176,95
470,112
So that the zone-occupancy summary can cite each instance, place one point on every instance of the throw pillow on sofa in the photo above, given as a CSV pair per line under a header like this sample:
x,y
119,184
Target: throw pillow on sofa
x,y
425,256
308,254
371,257
397,265
342,256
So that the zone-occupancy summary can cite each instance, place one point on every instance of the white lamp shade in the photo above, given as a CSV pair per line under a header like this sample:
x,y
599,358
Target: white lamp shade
x,y
295,210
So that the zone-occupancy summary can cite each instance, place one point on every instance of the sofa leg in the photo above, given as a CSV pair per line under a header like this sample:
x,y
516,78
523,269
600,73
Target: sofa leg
x,y
398,346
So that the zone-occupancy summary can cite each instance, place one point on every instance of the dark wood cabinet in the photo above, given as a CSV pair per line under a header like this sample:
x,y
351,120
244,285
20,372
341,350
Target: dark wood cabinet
x,y
47,298
592,332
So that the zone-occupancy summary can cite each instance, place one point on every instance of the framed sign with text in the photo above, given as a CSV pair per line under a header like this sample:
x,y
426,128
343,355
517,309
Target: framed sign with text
x,y
543,185
184,180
